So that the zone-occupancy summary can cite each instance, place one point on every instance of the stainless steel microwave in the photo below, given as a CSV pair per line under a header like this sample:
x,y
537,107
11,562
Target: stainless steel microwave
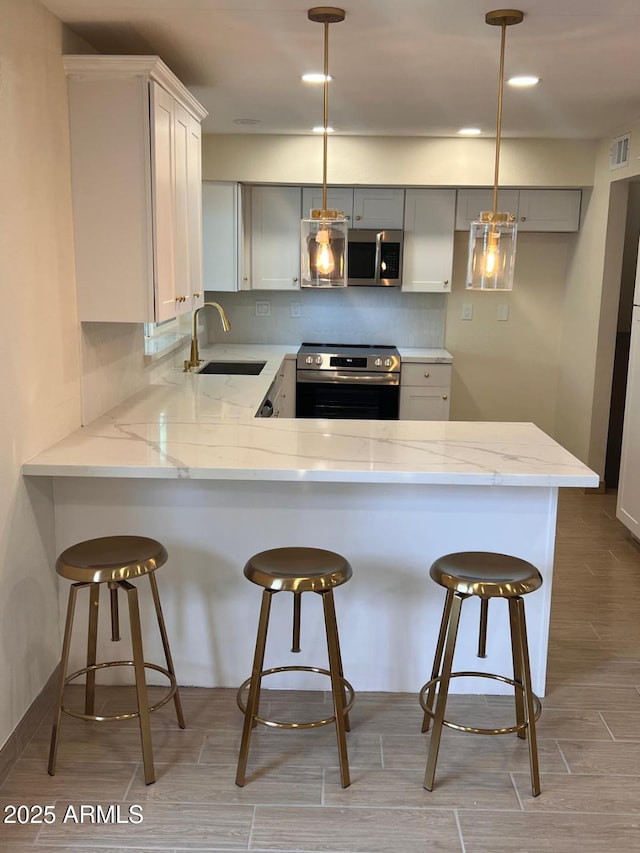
x,y
374,258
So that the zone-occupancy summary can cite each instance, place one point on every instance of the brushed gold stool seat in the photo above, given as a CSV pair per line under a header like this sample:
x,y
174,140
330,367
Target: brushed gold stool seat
x,y
297,570
114,560
486,575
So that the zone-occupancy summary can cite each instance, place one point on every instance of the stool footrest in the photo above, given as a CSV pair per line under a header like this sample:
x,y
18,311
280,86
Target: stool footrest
x,y
314,724
173,687
537,704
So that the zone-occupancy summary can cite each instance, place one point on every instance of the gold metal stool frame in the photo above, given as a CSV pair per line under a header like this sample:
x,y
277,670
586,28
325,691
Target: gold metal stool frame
x,y
527,705
102,573
262,570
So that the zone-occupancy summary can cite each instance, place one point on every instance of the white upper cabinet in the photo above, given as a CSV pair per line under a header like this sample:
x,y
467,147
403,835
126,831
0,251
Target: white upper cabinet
x,y
472,202
275,237
428,240
136,184
222,235
549,210
364,207
535,210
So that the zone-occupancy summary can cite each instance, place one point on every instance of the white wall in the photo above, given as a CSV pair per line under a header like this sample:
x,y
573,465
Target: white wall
x,y
39,352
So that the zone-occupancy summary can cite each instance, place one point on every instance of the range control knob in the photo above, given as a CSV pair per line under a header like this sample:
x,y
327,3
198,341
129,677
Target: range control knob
x,y
309,359
318,359
378,362
387,362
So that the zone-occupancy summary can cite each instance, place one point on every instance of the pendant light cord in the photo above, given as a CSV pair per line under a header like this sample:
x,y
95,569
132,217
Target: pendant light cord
x,y
326,115
499,120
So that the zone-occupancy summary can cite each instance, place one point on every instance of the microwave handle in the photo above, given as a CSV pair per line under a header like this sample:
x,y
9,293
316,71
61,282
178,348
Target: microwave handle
x,y
378,259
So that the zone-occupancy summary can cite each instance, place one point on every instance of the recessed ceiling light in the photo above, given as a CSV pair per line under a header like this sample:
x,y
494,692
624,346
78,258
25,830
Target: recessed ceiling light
x,y
247,121
315,78
469,131
320,129
523,80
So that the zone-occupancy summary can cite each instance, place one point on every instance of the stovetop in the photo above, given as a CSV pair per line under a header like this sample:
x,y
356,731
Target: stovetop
x,y
348,349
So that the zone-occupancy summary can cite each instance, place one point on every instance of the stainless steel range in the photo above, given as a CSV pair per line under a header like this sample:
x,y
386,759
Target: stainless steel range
x,y
348,381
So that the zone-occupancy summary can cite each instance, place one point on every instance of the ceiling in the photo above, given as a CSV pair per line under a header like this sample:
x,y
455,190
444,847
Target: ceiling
x,y
400,67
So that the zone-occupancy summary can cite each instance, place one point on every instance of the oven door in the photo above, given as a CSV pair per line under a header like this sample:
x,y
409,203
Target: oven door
x,y
370,396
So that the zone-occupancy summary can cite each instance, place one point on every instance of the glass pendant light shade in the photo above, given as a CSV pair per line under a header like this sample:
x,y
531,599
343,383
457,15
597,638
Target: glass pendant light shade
x,y
492,252
324,250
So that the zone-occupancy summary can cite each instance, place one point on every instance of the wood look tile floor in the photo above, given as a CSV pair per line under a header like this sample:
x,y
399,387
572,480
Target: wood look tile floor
x,y
589,746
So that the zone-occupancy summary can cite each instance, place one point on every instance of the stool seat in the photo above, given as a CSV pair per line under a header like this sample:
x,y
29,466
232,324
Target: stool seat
x,y
485,574
109,559
298,570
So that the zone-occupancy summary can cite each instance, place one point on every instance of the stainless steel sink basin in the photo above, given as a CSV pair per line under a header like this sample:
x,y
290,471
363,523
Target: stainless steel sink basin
x,y
240,368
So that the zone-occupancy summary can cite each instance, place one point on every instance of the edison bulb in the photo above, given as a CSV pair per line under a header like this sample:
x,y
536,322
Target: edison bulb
x,y
325,263
491,255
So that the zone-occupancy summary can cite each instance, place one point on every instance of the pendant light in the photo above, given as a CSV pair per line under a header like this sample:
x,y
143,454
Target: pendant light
x,y
324,233
492,239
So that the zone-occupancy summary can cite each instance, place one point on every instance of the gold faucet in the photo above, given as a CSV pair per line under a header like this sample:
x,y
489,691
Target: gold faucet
x,y
194,359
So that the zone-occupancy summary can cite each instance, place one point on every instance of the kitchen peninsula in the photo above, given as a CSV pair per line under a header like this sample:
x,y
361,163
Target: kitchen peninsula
x,y
186,461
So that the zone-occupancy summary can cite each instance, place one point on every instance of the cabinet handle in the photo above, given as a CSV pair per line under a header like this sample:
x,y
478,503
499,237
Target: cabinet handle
x,y
523,219
294,279
181,298
196,296
445,396
358,218
427,375
445,282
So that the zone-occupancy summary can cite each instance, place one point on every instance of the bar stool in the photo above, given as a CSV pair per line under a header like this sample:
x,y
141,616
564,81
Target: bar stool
x,y
114,560
486,575
297,570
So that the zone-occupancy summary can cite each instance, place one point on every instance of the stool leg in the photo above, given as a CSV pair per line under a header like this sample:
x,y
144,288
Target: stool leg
x,y
64,662
92,645
528,698
141,683
337,686
516,652
441,702
484,618
437,660
165,645
115,612
253,700
297,602
347,722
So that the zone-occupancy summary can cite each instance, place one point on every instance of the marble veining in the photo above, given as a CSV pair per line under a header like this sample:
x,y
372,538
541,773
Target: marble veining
x,y
204,427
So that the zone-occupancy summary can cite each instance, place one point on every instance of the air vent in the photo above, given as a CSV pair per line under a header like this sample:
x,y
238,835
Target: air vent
x,y
619,155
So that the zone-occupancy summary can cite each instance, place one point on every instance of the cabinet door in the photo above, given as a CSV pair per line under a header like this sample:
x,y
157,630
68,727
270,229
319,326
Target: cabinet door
x,y
549,210
424,404
194,189
275,238
628,510
220,235
338,198
162,110
181,210
471,203
378,207
428,241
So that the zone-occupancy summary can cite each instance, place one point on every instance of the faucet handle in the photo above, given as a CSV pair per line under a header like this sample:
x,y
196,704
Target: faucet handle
x,y
187,366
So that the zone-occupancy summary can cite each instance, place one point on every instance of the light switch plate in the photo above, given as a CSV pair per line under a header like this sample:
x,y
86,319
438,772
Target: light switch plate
x,y
263,309
503,311
467,311
295,309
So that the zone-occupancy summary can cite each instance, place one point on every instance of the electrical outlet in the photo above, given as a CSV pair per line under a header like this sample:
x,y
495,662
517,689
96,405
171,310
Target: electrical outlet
x,y
467,311
263,309
502,311
295,309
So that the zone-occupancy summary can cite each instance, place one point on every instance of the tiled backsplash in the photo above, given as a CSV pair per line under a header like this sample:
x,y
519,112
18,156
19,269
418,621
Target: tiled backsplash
x,y
350,315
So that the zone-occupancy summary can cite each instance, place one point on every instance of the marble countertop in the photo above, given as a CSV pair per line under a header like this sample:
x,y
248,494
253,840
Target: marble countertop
x,y
204,427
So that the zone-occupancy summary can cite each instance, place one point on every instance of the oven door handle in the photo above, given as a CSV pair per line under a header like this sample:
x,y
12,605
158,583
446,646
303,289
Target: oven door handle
x,y
326,377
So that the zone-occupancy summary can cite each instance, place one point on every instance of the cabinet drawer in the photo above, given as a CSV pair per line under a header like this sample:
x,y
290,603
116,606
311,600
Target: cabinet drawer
x,y
423,375
424,404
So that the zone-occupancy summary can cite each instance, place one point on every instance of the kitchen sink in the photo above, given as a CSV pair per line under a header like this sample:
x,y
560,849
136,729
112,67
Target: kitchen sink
x,y
241,368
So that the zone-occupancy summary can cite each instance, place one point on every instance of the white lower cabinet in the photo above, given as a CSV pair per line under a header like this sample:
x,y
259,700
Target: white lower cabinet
x,y
425,391
136,186
275,238
429,216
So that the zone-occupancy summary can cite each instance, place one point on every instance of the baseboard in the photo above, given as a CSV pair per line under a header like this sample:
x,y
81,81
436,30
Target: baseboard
x,y
28,725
